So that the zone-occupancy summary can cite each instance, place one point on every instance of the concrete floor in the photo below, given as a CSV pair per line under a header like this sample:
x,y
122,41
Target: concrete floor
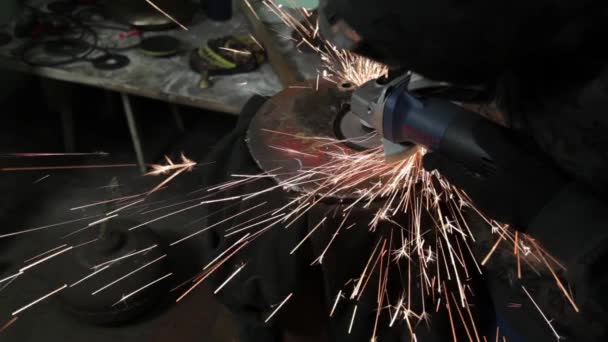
x,y
27,126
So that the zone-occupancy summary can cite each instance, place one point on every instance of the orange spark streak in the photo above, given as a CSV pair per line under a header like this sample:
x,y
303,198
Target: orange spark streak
x,y
448,306
66,167
560,285
8,324
473,322
464,323
485,260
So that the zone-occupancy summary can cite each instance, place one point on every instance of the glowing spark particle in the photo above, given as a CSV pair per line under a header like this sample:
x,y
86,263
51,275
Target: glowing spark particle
x,y
124,207
41,179
166,14
47,227
10,277
23,269
90,276
36,155
125,297
45,253
15,313
184,166
125,257
226,251
219,288
241,52
66,167
333,309
352,320
129,274
216,224
542,314
308,236
8,324
102,220
278,308
252,10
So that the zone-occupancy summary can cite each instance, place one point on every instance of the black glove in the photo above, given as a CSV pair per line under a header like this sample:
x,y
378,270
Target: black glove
x,y
516,184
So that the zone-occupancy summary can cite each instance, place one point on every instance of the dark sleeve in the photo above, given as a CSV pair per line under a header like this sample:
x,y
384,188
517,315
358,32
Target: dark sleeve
x,y
573,228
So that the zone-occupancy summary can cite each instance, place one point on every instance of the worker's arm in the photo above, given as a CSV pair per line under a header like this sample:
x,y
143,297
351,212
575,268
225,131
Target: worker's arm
x,y
565,217
573,227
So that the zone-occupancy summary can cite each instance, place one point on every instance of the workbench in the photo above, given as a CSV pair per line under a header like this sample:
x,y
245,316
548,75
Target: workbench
x,y
166,79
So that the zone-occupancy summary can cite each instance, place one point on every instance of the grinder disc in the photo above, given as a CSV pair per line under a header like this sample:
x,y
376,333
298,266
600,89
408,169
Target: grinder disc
x,y
295,129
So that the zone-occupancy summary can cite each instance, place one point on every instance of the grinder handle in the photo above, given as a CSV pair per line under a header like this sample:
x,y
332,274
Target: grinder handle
x,y
439,125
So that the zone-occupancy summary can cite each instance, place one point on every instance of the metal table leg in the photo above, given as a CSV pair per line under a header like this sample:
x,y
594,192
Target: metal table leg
x,y
179,123
67,121
126,104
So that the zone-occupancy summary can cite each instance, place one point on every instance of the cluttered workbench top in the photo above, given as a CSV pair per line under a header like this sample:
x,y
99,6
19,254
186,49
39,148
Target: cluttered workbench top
x,y
168,78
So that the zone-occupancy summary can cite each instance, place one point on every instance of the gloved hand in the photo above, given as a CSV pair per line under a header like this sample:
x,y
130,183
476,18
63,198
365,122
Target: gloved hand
x,y
516,184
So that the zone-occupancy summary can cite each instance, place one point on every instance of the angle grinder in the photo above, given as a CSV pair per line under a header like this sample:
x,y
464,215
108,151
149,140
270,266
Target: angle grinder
x,y
406,113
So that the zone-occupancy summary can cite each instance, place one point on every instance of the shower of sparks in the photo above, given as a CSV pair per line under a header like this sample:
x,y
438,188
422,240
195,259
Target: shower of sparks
x,y
185,165
274,312
15,313
429,245
542,314
339,65
151,3
125,297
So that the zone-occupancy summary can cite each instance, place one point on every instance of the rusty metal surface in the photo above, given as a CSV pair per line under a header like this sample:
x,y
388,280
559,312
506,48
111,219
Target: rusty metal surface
x,y
295,130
